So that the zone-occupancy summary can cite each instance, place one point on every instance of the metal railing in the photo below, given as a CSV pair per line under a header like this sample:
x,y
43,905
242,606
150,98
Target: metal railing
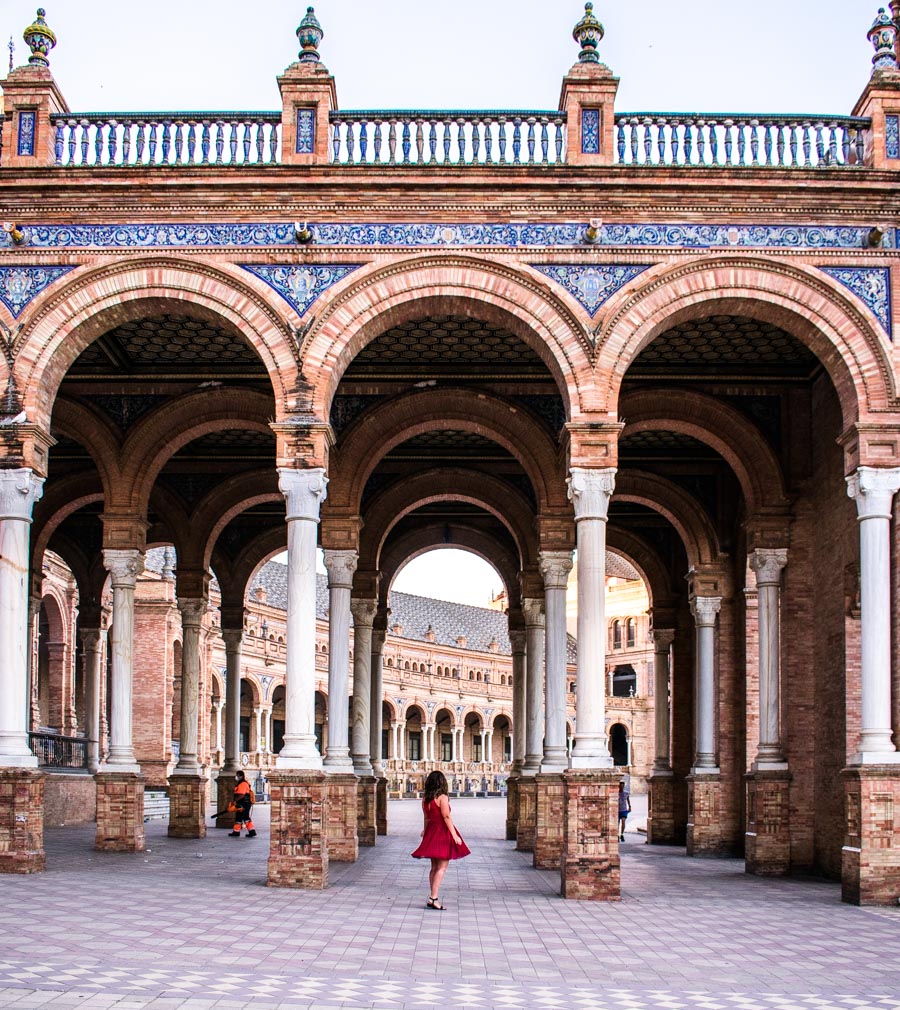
x,y
56,751
732,141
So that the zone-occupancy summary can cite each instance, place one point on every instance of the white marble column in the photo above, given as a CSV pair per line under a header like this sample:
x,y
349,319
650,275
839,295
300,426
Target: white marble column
x,y
662,646
377,697
483,745
767,564
257,715
92,645
533,611
489,746
590,492
555,568
217,706
873,490
192,611
401,736
124,567
517,644
19,490
363,615
456,754
304,491
705,609
340,565
395,741
233,638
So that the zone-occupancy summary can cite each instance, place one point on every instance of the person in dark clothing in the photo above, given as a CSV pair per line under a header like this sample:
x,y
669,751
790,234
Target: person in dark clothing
x,y
243,803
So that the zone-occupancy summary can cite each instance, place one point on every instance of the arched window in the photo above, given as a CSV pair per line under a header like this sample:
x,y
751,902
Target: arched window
x,y
389,662
617,635
630,632
471,675
478,676
502,680
406,667
618,744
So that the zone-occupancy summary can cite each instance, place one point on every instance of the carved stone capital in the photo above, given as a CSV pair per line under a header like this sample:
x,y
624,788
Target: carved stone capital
x,y
341,565
533,611
378,638
517,642
192,611
590,492
767,563
91,639
124,566
363,612
19,490
873,490
663,639
555,567
704,609
304,491
233,638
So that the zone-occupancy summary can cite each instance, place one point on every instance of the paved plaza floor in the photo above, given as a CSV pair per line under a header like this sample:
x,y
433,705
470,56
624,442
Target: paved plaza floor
x,y
189,925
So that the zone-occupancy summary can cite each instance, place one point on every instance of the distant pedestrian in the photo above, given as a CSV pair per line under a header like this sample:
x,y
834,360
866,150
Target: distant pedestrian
x,y
441,842
243,804
624,809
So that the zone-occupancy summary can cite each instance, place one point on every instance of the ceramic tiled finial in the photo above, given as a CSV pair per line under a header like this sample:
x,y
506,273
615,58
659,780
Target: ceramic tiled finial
x,y
883,35
588,34
309,35
40,40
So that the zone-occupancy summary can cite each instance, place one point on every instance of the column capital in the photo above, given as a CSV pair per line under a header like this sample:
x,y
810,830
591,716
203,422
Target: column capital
x,y
767,563
192,611
304,492
378,637
590,492
363,612
663,639
19,490
341,565
517,642
124,566
91,638
873,489
555,567
704,609
533,611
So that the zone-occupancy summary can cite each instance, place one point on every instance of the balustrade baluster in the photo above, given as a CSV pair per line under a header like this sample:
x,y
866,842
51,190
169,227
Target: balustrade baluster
x,y
406,141
166,140
112,142
377,142
860,147
517,140
754,141
58,143
648,140
191,142
205,140
233,141
336,141
139,141
661,141
729,142
352,144
779,144
560,143
742,144
392,141
501,138
702,130
688,142
153,142
85,141
806,131
259,142
177,141
545,141
461,141
530,139
767,143
476,142
364,143
126,144
620,142
634,140
448,139
677,131
792,137
820,143
247,140
713,142
98,143
273,144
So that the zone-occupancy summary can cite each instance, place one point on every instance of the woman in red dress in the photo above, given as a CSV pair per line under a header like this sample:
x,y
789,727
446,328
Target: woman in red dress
x,y
441,842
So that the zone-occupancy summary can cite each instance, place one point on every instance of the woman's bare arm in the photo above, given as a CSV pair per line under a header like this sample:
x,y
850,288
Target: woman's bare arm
x,y
444,807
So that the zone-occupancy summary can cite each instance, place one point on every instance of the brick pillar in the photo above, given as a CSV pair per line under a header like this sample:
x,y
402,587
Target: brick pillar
x,y
548,834
767,840
704,828
120,812
870,869
527,814
187,806
589,865
21,820
365,809
661,809
298,854
512,808
224,794
341,818
381,805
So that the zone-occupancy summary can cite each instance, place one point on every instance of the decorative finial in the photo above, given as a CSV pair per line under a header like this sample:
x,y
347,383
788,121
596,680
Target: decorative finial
x,y
883,36
12,50
40,40
588,34
309,35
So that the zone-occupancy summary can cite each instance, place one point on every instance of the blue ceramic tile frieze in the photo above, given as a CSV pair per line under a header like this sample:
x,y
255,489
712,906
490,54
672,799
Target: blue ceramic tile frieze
x,y
593,285
300,286
590,131
871,285
306,131
20,284
892,136
25,144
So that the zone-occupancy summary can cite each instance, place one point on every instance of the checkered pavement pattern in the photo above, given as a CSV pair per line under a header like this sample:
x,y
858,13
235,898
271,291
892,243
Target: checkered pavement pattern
x,y
190,925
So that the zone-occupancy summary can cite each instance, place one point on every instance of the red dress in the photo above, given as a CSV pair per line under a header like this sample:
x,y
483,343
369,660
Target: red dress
x,y
437,843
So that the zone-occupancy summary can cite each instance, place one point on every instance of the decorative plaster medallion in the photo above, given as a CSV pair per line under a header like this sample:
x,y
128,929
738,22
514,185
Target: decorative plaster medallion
x,y
593,285
300,286
872,285
19,285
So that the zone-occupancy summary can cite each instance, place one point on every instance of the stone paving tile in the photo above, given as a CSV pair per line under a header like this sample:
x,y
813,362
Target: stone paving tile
x,y
189,925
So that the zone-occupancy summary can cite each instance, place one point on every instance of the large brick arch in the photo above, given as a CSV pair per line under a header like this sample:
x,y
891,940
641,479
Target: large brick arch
x,y
447,284
234,575
388,424
90,301
803,301
736,439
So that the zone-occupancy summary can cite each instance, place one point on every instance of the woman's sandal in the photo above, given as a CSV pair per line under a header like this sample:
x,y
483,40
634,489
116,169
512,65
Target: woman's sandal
x,y
435,904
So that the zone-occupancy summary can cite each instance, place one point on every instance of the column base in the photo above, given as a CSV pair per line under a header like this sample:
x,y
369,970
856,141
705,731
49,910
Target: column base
x,y
661,809
225,784
298,855
870,859
366,827
548,834
22,820
512,808
187,806
120,812
589,863
525,828
381,805
704,827
341,816
767,840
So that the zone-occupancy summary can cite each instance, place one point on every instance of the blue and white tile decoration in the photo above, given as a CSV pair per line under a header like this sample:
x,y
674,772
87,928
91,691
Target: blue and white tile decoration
x,y
306,131
590,131
423,236
592,285
19,285
300,286
25,143
892,136
871,285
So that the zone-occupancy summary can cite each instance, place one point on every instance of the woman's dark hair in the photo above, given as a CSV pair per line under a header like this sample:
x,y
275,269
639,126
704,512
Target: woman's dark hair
x,y
435,785
239,776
